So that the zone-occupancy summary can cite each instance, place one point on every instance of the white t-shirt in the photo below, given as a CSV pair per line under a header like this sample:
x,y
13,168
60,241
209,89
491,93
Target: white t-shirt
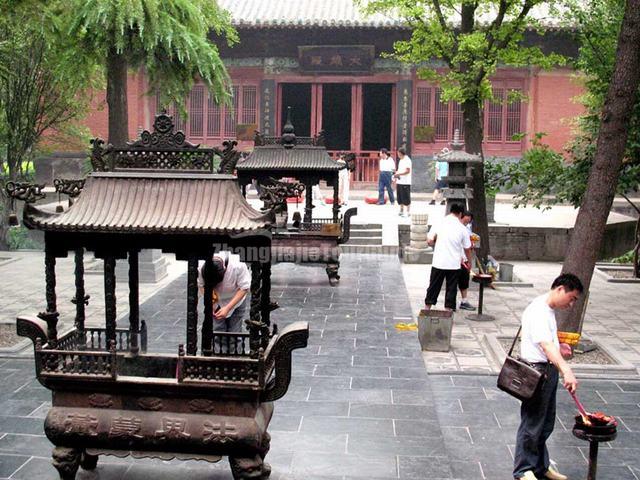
x,y
403,164
452,237
387,165
538,325
236,277
463,255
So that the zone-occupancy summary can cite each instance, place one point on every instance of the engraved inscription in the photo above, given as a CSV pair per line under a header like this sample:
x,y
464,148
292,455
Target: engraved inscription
x,y
173,428
84,424
218,432
124,427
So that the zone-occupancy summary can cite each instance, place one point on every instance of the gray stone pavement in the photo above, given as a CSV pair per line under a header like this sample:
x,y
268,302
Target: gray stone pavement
x,y
361,404
610,319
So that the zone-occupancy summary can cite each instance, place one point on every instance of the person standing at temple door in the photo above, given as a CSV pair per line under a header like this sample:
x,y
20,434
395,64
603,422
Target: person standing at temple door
x,y
387,168
344,178
403,179
448,238
442,170
231,282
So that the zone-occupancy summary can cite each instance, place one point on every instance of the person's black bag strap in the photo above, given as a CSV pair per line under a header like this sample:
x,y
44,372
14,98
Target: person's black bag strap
x,y
514,341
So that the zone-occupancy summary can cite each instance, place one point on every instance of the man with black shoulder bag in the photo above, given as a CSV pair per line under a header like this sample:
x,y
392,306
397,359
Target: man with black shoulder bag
x,y
541,349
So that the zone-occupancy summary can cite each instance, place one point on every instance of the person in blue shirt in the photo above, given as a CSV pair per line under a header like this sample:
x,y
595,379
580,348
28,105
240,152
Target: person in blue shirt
x,y
442,170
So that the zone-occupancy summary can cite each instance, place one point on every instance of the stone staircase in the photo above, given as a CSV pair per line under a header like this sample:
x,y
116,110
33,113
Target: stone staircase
x,y
366,238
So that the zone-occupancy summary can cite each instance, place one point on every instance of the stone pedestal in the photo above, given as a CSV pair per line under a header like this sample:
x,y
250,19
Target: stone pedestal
x,y
152,266
418,251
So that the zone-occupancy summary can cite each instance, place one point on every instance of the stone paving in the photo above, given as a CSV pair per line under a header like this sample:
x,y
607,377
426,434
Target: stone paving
x,y
611,317
359,390
361,404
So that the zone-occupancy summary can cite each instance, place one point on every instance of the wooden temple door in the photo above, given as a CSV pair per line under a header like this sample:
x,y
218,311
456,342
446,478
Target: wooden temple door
x,y
356,117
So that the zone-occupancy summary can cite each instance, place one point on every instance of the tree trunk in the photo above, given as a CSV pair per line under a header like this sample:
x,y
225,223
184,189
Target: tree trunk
x,y
473,144
117,98
588,231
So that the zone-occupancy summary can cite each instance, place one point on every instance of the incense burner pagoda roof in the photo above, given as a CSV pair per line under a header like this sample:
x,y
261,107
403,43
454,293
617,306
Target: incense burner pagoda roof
x,y
154,203
299,158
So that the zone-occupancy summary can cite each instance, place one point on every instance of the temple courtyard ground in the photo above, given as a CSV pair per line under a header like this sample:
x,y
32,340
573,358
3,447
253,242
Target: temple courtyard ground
x,y
365,401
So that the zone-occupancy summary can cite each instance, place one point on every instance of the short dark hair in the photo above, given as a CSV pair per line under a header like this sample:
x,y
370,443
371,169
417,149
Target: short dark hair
x,y
402,151
213,271
569,281
467,213
456,208
385,151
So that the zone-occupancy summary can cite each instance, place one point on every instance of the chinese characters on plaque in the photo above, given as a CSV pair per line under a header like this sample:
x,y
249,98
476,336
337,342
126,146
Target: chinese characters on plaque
x,y
336,59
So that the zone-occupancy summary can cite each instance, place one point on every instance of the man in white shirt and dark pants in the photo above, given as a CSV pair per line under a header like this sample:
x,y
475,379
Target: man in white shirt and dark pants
x,y
541,348
403,179
448,239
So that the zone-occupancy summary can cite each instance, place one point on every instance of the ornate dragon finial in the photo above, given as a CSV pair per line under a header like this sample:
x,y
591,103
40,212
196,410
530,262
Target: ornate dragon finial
x,y
163,135
24,191
229,156
275,194
98,154
258,139
69,186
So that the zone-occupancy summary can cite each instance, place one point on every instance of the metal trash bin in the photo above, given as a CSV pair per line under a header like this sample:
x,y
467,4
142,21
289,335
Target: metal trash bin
x,y
434,330
506,272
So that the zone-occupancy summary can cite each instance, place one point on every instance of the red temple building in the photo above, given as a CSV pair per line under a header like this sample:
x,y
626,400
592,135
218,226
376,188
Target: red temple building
x,y
324,59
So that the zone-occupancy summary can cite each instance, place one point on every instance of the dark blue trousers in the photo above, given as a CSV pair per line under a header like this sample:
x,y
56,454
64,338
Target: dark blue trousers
x,y
537,419
384,181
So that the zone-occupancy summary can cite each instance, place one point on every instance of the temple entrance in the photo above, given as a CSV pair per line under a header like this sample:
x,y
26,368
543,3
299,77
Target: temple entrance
x,y
376,116
298,97
336,115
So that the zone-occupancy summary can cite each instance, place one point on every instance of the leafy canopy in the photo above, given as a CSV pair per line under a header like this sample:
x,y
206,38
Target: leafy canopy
x,y
169,38
469,38
545,177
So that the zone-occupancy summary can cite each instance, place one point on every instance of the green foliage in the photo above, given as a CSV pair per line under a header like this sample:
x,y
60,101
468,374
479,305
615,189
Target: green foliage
x,y
471,38
38,93
536,175
169,38
544,176
626,258
18,238
599,24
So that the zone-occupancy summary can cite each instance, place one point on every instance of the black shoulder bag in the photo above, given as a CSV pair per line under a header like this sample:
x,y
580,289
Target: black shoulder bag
x,y
517,377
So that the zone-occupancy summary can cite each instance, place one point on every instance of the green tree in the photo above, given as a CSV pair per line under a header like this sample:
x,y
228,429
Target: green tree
x,y
38,91
169,39
605,157
469,38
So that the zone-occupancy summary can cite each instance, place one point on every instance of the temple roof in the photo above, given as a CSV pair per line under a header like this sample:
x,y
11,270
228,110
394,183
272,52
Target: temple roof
x,y
337,14
154,203
298,158
304,14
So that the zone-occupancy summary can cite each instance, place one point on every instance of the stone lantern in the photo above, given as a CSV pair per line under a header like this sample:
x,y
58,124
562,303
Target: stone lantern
x,y
460,177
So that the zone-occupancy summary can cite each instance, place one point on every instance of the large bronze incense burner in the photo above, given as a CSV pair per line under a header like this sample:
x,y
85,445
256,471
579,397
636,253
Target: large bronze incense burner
x,y
110,395
305,159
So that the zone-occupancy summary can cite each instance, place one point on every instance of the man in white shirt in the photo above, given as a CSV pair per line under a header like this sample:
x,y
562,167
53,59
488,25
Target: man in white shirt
x,y
448,239
403,178
231,281
541,348
387,167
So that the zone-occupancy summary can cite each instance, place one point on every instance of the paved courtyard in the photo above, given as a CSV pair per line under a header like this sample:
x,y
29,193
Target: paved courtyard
x,y
361,403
